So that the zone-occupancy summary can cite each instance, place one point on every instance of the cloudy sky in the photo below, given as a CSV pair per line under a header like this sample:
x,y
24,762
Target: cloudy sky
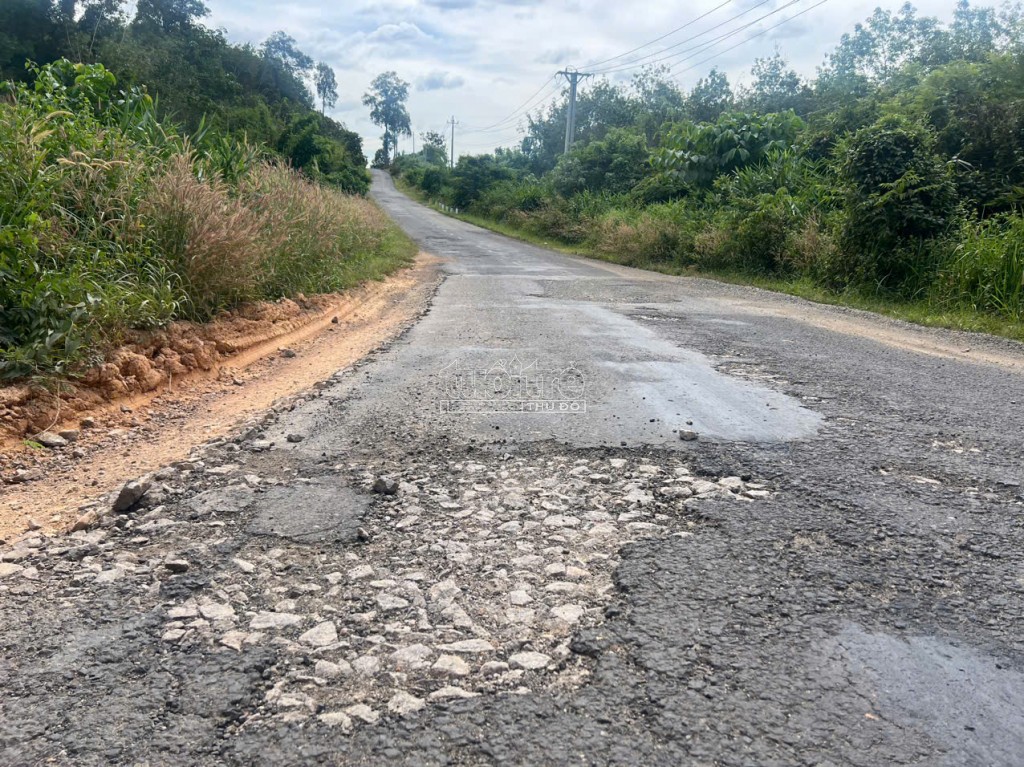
x,y
480,60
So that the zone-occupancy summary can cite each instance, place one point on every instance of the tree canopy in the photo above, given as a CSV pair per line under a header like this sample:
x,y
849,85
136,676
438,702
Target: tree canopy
x,y
194,74
386,100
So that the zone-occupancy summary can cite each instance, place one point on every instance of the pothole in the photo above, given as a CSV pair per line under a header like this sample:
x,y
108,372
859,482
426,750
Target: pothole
x,y
475,577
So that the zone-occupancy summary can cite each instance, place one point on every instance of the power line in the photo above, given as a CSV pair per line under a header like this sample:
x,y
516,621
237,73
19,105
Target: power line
x,y
694,51
752,37
507,123
595,64
522,108
643,60
514,113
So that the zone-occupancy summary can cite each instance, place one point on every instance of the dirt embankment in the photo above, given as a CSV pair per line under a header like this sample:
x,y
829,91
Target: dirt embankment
x,y
161,358
151,401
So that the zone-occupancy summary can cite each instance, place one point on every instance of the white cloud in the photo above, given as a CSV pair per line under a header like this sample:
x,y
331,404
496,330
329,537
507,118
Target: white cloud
x,y
439,81
480,59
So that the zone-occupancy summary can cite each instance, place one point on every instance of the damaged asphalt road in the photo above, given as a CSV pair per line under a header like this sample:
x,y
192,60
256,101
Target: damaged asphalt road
x,y
831,573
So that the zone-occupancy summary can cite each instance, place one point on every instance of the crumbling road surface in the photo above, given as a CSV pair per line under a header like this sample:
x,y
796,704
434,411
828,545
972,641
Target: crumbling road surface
x,y
577,514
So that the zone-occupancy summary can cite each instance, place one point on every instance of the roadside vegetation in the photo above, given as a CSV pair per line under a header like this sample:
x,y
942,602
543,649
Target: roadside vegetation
x,y
893,181
120,211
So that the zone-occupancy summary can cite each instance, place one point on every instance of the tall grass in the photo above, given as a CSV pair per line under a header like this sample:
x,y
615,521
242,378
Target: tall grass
x,y
986,272
110,222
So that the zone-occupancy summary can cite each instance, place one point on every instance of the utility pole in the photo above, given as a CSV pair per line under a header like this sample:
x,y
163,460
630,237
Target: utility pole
x,y
453,122
574,78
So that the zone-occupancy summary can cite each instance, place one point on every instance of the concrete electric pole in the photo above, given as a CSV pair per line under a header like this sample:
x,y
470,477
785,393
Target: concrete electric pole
x,y
453,122
574,78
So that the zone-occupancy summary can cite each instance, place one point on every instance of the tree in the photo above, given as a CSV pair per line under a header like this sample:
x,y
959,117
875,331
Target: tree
x,y
974,32
710,98
386,100
776,87
878,49
169,15
326,86
283,49
658,98
435,148
28,31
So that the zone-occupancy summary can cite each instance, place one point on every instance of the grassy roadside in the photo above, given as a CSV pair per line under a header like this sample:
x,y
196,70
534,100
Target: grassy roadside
x,y
112,223
921,312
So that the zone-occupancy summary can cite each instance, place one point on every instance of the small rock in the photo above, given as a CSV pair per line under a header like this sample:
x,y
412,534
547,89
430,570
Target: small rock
x,y
358,573
363,712
568,613
529,661
451,665
676,492
449,693
385,486
183,611
519,598
88,520
327,670
9,568
244,566
468,646
562,587
403,704
27,475
70,435
176,566
688,436
561,520
50,440
411,657
131,493
173,635
234,640
493,668
295,438
367,665
267,620
287,353
336,719
322,635
703,487
391,603
215,611
87,423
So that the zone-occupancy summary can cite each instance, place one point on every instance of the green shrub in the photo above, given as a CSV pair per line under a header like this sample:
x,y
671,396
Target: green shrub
x,y
614,164
699,153
898,195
